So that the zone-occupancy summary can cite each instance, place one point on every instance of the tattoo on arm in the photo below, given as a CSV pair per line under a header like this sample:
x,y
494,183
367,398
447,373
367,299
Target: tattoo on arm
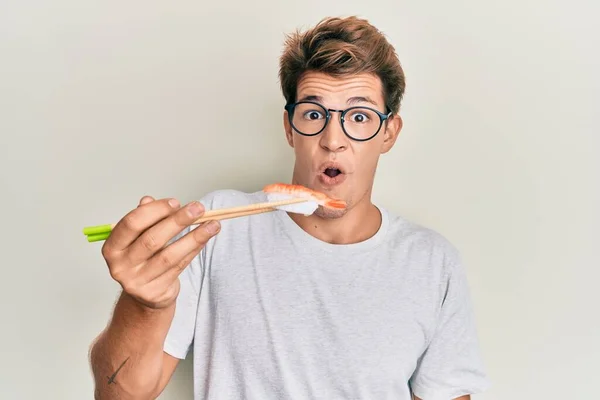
x,y
111,379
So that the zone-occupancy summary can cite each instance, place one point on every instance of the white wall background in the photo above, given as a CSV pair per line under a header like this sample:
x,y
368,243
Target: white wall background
x,y
103,102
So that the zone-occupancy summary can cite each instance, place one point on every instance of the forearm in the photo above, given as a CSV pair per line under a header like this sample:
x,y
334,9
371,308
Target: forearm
x,y
134,339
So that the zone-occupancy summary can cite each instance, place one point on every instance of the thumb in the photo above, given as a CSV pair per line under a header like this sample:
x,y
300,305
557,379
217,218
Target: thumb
x,y
145,200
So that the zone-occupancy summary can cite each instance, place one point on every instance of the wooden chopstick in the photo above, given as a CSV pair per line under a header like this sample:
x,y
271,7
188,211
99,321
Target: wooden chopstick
x,y
220,217
101,232
94,237
250,209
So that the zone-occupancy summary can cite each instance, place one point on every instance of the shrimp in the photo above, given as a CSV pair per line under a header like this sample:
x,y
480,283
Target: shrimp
x,y
303,192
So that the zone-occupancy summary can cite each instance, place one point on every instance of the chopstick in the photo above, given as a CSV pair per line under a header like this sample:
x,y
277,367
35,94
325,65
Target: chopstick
x,y
102,232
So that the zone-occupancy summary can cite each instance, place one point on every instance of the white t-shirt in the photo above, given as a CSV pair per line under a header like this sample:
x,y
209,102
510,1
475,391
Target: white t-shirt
x,y
271,312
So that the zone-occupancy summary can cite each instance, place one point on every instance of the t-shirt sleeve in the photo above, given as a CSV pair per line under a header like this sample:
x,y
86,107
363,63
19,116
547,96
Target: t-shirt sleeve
x,y
452,365
181,332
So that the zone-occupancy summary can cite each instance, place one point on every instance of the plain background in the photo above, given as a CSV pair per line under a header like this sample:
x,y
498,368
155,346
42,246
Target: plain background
x,y
103,102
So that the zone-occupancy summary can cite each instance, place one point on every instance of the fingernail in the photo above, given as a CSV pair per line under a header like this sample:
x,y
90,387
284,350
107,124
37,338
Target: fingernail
x,y
174,203
213,227
195,209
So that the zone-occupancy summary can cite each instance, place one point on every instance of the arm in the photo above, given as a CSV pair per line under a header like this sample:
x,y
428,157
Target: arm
x,y
127,358
467,397
451,366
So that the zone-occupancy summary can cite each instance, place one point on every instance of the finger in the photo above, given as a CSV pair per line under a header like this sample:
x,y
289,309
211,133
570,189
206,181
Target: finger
x,y
172,259
157,236
159,285
132,225
145,200
151,291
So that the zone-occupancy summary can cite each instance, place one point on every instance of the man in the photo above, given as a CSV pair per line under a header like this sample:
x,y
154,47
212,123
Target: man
x,y
352,304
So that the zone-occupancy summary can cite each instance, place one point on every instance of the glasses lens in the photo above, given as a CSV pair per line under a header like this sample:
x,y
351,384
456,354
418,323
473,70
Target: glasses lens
x,y
361,123
309,118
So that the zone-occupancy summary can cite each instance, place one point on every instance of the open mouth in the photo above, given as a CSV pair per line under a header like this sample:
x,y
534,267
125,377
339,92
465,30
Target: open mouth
x,y
332,172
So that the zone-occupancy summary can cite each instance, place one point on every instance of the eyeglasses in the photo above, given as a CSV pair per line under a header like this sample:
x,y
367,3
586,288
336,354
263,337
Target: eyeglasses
x,y
358,123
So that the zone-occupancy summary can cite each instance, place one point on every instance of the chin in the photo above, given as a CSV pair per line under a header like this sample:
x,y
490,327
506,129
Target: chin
x,y
328,213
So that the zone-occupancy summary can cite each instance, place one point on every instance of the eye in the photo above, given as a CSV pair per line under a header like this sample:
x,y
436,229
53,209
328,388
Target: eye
x,y
313,115
359,117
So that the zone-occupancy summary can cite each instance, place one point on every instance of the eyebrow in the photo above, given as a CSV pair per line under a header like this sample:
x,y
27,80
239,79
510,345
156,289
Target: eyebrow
x,y
351,100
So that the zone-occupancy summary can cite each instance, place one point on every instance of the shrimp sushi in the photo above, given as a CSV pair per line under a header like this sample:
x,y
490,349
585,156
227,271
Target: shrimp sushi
x,y
282,190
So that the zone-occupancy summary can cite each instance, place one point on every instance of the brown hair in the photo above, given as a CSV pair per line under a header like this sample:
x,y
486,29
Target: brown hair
x,y
339,47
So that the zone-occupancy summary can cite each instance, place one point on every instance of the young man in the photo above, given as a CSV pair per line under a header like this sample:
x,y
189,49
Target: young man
x,y
352,304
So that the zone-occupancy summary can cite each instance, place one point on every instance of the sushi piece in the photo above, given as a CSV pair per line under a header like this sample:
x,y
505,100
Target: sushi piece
x,y
282,191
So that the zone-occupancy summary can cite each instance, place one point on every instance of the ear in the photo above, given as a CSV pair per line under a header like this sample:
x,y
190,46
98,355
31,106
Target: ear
x,y
289,134
393,126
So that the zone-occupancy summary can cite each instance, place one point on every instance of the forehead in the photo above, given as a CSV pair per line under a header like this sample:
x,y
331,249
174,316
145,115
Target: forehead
x,y
339,91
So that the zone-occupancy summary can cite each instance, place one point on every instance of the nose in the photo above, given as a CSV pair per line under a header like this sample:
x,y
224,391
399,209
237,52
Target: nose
x,y
333,138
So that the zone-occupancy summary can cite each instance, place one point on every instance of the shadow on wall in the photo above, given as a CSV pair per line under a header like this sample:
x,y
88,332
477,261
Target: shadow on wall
x,y
266,152
259,155
181,385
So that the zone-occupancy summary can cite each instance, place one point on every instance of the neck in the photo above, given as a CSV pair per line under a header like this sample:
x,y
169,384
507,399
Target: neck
x,y
360,223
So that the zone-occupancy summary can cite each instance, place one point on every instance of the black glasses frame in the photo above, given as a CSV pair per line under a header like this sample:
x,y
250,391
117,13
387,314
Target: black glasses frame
x,y
290,108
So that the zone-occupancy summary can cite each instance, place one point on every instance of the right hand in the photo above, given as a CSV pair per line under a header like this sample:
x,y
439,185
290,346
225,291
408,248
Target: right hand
x,y
136,255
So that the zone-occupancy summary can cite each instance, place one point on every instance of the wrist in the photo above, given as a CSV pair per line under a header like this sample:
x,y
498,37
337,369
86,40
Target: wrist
x,y
136,308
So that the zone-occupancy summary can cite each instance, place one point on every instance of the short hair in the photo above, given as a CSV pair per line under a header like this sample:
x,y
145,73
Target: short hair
x,y
341,47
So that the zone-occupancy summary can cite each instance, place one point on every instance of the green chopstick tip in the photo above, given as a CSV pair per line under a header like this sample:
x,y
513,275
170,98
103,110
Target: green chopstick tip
x,y
96,237
93,230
